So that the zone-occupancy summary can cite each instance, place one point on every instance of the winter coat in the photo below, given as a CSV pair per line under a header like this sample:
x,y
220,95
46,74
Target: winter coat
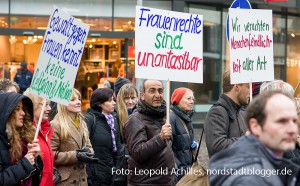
x,y
294,155
100,137
181,143
15,174
248,162
223,125
23,78
44,137
148,152
71,170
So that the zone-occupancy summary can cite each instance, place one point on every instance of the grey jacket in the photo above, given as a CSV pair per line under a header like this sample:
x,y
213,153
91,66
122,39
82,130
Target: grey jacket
x,y
223,125
248,162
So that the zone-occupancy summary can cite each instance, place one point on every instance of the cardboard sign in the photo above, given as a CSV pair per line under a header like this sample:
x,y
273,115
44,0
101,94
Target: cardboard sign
x,y
168,45
251,45
59,57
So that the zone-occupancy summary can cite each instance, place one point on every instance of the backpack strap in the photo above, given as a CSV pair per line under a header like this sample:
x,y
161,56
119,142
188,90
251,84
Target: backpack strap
x,y
230,117
183,124
195,159
93,126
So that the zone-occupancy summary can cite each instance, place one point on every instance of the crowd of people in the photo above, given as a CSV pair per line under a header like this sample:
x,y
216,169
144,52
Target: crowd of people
x,y
126,124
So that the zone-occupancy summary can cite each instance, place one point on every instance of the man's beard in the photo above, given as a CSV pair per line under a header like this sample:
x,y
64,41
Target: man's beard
x,y
241,101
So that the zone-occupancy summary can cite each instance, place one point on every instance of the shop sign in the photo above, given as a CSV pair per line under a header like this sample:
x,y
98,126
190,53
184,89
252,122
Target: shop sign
x,y
168,45
251,45
59,57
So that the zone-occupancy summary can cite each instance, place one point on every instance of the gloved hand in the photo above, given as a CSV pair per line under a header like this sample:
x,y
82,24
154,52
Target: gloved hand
x,y
84,149
85,155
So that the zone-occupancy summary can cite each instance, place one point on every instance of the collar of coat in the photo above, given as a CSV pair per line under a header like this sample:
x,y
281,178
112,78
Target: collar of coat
x,y
147,109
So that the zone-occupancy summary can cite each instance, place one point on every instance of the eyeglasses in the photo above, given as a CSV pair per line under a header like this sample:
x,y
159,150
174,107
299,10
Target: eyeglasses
x,y
46,105
153,90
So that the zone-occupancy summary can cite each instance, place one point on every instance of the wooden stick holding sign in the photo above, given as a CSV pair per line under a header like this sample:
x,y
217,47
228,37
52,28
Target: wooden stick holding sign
x,y
168,101
250,88
296,89
38,126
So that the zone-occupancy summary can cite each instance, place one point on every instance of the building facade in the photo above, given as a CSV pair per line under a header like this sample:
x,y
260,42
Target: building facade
x,y
111,38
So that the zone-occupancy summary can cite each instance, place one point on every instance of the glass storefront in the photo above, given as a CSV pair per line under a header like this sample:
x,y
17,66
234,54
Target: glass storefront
x,y
293,52
115,19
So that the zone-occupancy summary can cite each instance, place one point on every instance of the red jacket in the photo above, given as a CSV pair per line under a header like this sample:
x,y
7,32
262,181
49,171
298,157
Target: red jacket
x,y
44,137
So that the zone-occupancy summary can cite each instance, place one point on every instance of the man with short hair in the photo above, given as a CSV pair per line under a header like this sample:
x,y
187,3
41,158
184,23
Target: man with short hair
x,y
256,159
224,122
23,77
147,138
7,85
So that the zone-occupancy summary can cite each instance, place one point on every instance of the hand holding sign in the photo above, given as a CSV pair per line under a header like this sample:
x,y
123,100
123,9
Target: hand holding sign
x,y
166,131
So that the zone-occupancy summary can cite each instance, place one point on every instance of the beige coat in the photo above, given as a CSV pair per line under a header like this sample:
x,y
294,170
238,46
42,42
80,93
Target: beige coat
x,y
71,171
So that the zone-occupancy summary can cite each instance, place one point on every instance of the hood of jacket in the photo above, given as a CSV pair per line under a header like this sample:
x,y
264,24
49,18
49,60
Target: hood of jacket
x,y
147,109
9,100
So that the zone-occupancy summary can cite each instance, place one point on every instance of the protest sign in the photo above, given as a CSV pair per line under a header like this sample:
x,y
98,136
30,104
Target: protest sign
x,y
251,45
168,45
59,57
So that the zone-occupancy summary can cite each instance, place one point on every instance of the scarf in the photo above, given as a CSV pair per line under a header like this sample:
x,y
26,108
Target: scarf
x,y
110,121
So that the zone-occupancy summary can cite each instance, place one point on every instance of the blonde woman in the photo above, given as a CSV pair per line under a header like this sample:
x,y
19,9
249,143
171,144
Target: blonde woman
x,y
126,102
70,143
19,164
44,136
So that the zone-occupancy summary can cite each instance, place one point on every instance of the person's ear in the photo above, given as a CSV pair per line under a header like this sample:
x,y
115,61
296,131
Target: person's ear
x,y
255,127
236,86
142,96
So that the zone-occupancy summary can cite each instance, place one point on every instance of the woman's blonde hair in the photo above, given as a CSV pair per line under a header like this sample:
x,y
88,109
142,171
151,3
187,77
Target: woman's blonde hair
x,y
126,90
34,98
277,85
15,134
63,118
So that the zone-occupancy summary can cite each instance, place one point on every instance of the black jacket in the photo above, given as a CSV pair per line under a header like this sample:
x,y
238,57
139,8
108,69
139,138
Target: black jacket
x,y
294,155
15,174
248,162
100,136
182,140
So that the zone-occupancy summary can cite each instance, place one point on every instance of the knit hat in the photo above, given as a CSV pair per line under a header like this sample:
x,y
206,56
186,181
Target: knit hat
x,y
177,95
119,83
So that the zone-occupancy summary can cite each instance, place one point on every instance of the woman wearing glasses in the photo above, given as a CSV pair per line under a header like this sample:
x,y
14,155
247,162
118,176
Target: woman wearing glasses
x,y
44,136
183,145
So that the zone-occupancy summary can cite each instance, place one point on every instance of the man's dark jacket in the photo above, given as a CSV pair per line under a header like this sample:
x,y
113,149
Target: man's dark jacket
x,y
14,174
246,155
146,148
223,125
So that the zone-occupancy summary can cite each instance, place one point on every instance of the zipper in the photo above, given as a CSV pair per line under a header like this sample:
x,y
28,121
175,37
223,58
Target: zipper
x,y
28,176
